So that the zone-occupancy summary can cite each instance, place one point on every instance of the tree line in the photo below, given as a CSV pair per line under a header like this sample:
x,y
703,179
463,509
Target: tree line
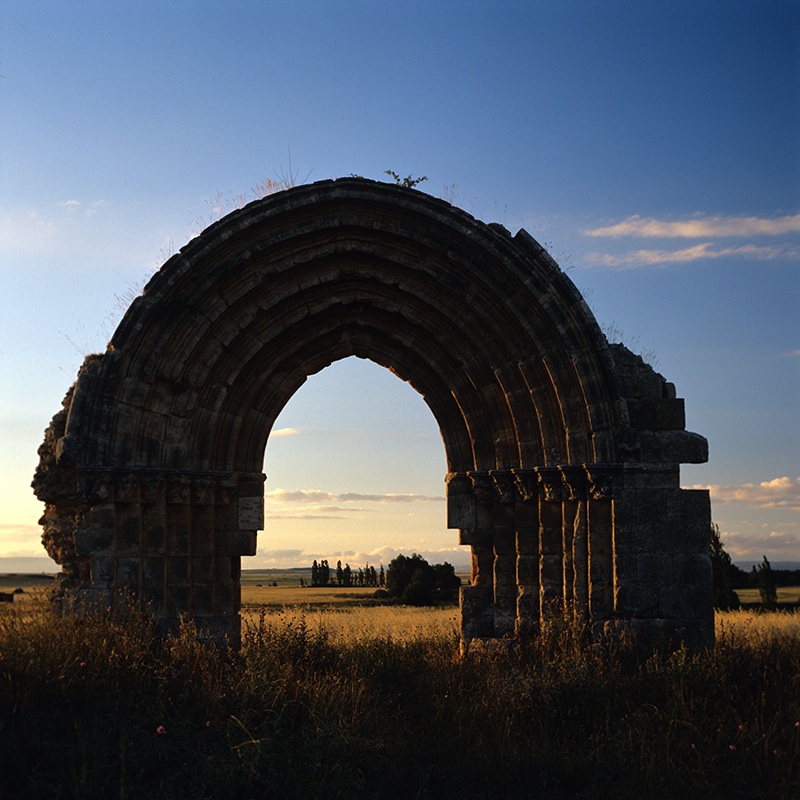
x,y
727,577
323,575
409,579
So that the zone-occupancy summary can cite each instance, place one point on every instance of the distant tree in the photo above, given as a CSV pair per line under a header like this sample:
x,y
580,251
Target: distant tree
x,y
725,598
339,573
766,586
447,582
400,572
382,577
322,575
414,581
348,576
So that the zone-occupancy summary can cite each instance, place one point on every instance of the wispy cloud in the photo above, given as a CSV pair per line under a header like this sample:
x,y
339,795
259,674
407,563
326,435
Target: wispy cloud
x,y
312,496
781,492
90,209
281,432
699,227
751,547
698,252
281,559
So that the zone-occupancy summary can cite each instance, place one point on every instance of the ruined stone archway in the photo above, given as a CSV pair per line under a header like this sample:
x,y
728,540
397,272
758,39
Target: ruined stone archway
x,y
563,451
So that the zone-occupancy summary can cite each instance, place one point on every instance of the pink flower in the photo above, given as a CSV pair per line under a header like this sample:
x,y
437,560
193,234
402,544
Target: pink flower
x,y
161,730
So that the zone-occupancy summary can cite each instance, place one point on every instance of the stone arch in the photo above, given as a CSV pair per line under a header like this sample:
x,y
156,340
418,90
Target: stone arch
x,y
563,451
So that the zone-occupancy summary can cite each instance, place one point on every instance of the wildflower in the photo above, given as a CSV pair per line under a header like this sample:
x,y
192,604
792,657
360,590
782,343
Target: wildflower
x,y
731,747
161,730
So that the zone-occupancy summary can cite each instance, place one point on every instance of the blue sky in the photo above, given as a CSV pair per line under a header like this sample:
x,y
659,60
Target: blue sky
x,y
653,147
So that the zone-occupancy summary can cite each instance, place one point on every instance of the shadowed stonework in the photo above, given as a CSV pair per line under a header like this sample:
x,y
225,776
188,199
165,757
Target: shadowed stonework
x,y
563,451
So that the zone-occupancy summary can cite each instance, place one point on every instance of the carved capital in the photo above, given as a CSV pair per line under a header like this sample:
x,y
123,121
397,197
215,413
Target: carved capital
x,y
150,488
94,487
126,489
552,484
601,482
226,488
178,489
504,485
482,486
203,491
576,484
527,481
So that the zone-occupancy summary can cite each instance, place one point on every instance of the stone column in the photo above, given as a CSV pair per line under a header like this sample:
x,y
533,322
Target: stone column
x,y
601,553
551,561
468,496
527,534
505,552
576,545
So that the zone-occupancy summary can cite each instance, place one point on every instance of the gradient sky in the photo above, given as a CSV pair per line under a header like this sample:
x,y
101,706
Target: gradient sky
x,y
653,147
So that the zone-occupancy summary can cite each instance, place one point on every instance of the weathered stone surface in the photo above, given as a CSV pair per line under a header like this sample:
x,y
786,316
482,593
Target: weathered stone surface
x,y
563,452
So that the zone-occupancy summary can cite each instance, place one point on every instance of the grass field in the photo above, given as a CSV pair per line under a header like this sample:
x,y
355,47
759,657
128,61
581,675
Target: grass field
x,y
786,595
10,581
342,700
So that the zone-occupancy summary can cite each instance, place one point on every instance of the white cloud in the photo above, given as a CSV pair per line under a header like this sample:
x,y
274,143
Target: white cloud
x,y
698,252
281,496
781,493
699,227
285,559
282,432
390,498
752,547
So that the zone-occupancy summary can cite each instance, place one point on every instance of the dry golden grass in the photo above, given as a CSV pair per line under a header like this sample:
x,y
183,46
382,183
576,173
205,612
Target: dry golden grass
x,y
375,702
347,626
756,628
278,596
